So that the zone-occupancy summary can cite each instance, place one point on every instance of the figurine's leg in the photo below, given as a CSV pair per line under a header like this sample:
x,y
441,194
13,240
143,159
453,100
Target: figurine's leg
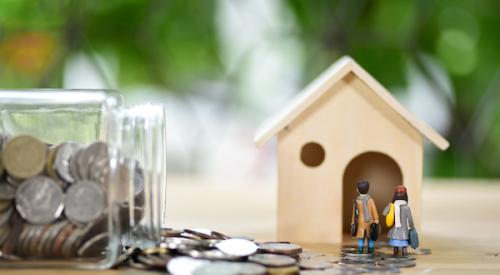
x,y
361,245
405,251
396,250
371,246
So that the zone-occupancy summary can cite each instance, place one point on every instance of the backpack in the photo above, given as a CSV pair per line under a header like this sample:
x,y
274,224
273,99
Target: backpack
x,y
389,218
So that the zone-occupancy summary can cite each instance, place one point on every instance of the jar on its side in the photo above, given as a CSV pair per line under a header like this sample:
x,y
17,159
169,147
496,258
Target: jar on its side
x,y
81,175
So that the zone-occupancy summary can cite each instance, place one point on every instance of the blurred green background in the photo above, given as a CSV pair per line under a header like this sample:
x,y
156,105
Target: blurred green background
x,y
222,67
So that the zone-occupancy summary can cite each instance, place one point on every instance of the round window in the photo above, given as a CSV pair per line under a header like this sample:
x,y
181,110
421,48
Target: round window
x,y
312,154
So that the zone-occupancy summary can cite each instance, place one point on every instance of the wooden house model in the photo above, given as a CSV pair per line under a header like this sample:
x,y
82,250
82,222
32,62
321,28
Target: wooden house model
x,y
343,127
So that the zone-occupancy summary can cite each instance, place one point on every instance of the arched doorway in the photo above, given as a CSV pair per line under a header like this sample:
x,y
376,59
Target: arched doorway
x,y
382,172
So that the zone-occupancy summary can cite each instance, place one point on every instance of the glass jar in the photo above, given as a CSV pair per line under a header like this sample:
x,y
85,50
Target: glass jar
x,y
81,176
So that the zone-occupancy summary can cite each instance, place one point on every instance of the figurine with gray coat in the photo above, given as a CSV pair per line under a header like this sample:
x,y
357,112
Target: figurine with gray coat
x,y
399,235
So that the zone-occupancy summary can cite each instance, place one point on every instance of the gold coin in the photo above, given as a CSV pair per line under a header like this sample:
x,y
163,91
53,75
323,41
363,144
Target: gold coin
x,y
50,162
155,250
24,156
283,270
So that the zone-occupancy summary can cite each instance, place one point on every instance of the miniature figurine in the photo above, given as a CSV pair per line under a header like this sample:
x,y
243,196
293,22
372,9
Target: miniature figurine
x,y
403,233
365,220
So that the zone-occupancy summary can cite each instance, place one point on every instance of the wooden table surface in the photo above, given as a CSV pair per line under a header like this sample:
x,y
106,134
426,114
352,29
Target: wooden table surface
x,y
461,223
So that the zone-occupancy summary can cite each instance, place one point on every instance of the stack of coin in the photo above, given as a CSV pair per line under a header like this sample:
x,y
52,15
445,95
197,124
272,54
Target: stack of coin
x,y
7,194
207,252
53,198
397,261
352,256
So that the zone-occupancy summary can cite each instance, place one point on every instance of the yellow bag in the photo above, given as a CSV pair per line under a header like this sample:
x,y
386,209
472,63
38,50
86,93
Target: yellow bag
x,y
389,218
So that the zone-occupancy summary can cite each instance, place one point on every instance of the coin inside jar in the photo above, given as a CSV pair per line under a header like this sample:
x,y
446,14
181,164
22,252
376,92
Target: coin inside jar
x,y
94,246
74,164
39,200
62,160
95,151
85,201
7,191
24,156
49,166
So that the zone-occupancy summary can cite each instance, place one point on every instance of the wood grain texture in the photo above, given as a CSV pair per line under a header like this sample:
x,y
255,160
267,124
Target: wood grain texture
x,y
322,84
348,121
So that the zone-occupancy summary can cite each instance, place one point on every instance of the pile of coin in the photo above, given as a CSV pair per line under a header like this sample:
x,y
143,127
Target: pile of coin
x,y
53,198
201,251
206,252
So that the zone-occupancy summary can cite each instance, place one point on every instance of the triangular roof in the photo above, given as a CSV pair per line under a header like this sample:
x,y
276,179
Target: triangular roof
x,y
322,83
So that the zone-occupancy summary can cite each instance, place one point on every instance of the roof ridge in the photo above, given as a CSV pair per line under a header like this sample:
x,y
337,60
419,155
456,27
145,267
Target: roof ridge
x,y
314,90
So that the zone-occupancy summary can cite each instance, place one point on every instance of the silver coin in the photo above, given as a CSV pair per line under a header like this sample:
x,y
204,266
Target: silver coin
x,y
382,269
73,164
180,243
184,265
85,201
34,241
310,254
358,262
24,231
38,249
7,191
95,151
280,248
402,264
94,246
314,263
209,254
39,200
398,258
99,168
209,244
353,253
230,268
62,160
23,244
272,260
237,247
